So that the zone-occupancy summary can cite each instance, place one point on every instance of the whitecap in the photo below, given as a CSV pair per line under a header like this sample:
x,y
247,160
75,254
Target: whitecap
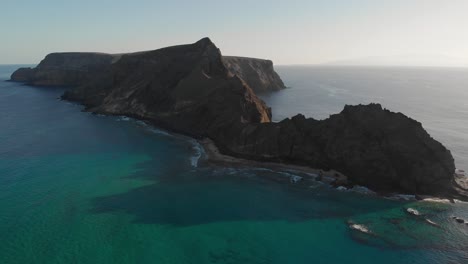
x,y
198,149
142,123
405,197
362,190
341,188
361,228
431,222
158,131
295,178
436,200
413,211
460,173
123,118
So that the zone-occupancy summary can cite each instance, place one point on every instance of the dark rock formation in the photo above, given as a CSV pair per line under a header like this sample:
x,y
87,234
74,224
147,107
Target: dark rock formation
x,y
64,69
257,73
189,89
374,147
77,68
25,75
184,88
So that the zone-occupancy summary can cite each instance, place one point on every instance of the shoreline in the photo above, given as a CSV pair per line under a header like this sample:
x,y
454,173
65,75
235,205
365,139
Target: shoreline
x,y
211,155
332,178
214,156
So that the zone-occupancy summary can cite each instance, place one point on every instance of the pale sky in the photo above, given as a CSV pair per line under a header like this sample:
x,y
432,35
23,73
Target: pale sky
x,y
287,32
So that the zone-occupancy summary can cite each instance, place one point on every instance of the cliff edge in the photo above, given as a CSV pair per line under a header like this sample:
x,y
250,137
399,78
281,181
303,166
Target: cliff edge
x,y
77,68
64,69
257,73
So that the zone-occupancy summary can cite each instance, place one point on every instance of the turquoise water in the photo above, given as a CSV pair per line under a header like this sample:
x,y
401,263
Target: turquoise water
x,y
82,188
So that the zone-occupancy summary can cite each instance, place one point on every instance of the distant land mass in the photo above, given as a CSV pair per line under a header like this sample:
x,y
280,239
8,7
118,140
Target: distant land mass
x,y
408,60
193,90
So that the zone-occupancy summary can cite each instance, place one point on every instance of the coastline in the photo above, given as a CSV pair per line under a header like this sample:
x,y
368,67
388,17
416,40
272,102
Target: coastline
x,y
214,156
332,178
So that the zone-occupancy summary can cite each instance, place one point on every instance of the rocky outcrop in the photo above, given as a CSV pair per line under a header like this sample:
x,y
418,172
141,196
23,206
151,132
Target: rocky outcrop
x,y
77,68
190,90
64,69
257,73
374,147
183,88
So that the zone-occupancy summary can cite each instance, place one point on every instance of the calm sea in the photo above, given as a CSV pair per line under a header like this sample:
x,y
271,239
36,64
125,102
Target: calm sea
x,y
82,188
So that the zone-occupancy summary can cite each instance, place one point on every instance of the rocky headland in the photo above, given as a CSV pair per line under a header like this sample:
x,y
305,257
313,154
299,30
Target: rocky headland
x,y
194,90
257,73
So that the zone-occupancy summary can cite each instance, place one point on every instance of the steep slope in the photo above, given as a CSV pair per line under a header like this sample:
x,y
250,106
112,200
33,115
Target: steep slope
x,y
375,147
184,88
257,73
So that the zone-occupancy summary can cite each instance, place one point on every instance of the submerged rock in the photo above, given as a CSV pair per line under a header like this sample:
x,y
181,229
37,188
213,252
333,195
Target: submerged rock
x,y
192,89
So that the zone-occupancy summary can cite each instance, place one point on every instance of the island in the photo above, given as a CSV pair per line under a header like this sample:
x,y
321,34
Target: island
x,y
193,90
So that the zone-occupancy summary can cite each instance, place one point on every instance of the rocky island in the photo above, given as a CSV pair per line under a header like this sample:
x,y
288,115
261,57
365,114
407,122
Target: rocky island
x,y
194,90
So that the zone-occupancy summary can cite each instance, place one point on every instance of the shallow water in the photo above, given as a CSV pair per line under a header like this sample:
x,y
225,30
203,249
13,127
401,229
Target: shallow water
x,y
82,188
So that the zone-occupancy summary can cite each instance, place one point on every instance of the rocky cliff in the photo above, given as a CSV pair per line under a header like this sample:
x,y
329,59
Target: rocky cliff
x,y
257,73
375,147
64,69
77,68
191,90
183,88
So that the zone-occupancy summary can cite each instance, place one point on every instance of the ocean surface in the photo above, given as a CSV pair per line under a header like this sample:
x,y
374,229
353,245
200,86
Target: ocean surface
x,y
82,188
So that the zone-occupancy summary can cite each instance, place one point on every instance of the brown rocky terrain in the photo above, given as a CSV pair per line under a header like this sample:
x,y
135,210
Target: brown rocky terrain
x,y
257,73
191,90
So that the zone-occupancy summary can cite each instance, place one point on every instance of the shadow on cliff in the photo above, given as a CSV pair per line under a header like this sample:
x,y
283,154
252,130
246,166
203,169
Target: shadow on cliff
x,y
182,197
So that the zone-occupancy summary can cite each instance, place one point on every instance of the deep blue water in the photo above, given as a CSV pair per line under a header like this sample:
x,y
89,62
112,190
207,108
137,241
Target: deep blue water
x,y
82,188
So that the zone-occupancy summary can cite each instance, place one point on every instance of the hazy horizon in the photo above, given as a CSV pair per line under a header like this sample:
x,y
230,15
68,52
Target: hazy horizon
x,y
297,32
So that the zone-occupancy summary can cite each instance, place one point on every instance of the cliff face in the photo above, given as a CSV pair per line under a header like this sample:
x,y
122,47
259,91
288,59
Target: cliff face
x,y
375,147
257,73
184,88
193,90
64,69
77,68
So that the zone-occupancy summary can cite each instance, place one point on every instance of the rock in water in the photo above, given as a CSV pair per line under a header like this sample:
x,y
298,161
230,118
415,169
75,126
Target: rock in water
x,y
374,147
189,89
